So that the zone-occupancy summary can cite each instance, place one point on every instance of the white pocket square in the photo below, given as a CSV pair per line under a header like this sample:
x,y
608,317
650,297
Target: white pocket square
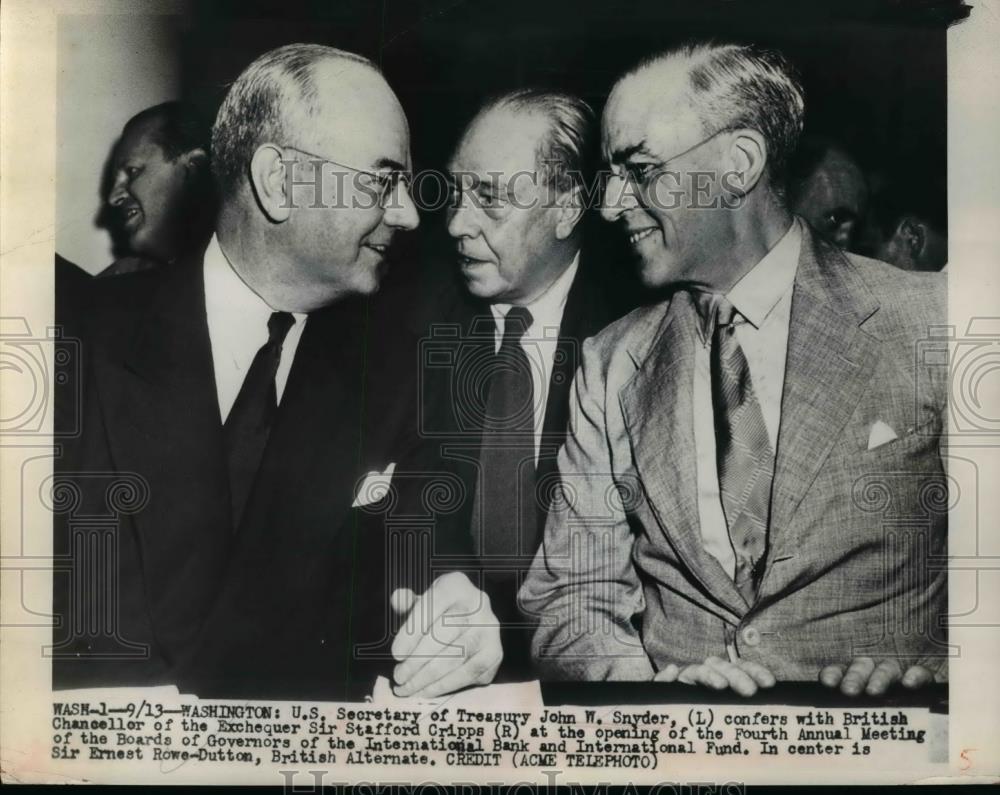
x,y
880,434
374,487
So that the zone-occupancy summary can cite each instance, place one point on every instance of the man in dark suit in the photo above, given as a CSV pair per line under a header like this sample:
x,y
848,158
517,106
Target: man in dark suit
x,y
771,429
239,423
520,174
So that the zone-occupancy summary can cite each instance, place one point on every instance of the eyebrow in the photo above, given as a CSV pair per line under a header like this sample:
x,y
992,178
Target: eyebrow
x,y
478,183
388,162
621,155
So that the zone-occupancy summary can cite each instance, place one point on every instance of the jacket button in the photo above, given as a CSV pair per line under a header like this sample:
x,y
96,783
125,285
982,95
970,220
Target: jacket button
x,y
751,636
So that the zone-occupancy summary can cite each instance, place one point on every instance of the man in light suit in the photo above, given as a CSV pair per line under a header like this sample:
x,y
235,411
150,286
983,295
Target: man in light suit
x,y
531,296
237,400
753,486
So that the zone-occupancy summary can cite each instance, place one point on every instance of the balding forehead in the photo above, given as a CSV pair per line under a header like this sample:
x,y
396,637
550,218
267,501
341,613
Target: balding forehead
x,y
354,94
658,89
502,138
505,125
651,105
355,116
344,80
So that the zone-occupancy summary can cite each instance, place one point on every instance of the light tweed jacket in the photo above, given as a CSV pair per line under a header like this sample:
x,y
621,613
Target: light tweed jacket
x,y
622,585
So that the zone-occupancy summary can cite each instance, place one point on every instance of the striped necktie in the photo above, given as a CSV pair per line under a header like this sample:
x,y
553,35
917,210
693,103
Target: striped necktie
x,y
743,451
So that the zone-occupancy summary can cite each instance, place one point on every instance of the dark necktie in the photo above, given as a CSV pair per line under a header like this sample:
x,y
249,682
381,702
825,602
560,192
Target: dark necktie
x,y
507,452
742,448
249,422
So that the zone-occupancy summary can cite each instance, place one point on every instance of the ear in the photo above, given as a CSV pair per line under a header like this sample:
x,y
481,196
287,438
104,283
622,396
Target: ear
x,y
197,171
748,159
271,182
195,159
913,234
569,205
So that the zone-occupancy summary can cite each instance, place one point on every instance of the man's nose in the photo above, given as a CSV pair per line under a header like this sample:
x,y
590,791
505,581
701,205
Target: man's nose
x,y
460,221
618,197
401,213
118,192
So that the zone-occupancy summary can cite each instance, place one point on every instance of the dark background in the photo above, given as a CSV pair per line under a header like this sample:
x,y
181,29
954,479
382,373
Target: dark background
x,y
874,70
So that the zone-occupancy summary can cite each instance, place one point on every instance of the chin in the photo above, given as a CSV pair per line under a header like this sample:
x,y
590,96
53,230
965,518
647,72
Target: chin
x,y
481,289
658,273
148,249
367,287
373,279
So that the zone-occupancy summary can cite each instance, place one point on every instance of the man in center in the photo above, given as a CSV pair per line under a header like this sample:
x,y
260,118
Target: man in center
x,y
520,173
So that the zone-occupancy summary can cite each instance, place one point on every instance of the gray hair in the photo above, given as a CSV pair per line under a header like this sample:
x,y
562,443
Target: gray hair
x,y
565,154
743,85
262,103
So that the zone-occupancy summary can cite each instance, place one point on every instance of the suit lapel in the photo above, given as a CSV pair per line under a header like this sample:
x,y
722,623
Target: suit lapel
x,y
658,408
162,418
830,361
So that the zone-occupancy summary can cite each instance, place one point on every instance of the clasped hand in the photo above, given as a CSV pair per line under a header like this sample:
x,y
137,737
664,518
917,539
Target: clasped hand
x,y
449,640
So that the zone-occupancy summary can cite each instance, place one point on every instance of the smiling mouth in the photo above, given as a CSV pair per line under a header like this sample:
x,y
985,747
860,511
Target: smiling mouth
x,y
470,262
378,248
641,234
130,217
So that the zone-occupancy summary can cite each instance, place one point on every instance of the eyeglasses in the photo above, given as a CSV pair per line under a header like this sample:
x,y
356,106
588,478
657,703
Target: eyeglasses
x,y
379,184
642,175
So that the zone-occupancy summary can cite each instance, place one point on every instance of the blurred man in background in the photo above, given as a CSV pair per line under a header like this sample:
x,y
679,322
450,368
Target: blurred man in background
x,y
161,200
827,187
907,224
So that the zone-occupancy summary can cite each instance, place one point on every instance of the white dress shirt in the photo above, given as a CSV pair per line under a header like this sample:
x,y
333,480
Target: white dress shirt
x,y
763,299
541,339
237,328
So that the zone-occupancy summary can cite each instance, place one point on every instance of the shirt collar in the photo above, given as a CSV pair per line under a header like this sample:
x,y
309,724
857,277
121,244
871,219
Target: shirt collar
x,y
235,312
547,309
756,294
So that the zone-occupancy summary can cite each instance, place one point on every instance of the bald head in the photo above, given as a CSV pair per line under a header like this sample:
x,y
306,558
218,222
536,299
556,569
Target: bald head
x,y
301,95
311,149
353,107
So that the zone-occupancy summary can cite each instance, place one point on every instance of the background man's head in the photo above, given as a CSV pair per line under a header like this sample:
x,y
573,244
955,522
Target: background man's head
x,y
690,135
519,171
308,150
161,202
907,223
827,187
